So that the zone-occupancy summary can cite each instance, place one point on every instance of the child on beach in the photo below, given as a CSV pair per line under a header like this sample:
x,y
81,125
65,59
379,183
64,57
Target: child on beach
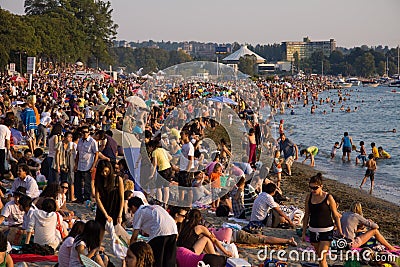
x,y
215,178
309,153
363,154
371,168
375,151
277,165
334,149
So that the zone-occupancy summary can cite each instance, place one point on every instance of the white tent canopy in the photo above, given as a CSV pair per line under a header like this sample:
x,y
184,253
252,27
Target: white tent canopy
x,y
241,52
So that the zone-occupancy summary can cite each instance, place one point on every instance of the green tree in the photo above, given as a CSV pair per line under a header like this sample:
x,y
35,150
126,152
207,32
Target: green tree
x,y
381,68
39,7
365,65
247,64
316,61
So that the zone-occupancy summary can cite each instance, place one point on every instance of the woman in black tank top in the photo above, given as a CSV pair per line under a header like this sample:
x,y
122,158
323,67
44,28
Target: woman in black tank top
x,y
321,215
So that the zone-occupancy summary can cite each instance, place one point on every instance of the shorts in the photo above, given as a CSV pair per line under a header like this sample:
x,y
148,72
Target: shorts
x,y
215,192
362,157
346,149
316,237
289,161
166,174
371,174
185,178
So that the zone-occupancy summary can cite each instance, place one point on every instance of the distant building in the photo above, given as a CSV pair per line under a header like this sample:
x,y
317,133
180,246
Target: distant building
x,y
120,43
280,66
306,48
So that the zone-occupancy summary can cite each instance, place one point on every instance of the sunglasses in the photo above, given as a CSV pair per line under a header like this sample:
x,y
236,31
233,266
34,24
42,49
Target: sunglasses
x,y
184,216
314,187
64,187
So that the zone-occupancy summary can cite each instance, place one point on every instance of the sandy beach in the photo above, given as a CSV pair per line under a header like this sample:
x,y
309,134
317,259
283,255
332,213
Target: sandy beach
x,y
296,188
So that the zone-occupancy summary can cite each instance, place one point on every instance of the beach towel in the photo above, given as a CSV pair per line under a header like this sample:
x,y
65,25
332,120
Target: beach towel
x,y
33,258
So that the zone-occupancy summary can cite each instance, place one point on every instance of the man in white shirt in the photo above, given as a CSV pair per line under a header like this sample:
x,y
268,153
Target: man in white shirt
x,y
85,164
161,228
5,136
186,164
26,181
264,202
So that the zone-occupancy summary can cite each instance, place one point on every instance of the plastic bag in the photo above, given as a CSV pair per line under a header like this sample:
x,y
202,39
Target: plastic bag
x,y
118,247
231,247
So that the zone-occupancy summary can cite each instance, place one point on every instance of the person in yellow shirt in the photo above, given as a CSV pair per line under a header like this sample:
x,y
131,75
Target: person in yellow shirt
x,y
375,151
383,154
161,174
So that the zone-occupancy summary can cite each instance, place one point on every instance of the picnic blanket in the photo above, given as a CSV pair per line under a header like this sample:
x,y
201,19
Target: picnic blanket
x,y
33,258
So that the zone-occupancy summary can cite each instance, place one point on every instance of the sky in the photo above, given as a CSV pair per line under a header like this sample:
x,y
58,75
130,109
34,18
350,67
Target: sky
x,y
350,22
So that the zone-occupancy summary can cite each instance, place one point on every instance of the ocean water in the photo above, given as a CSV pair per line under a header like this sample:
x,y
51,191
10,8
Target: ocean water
x,y
378,112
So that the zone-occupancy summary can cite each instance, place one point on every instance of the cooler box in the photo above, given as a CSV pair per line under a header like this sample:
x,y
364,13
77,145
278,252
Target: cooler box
x,y
231,262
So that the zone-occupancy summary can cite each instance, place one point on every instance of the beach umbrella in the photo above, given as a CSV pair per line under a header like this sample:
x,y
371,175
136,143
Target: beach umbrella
x,y
137,101
117,136
223,99
19,79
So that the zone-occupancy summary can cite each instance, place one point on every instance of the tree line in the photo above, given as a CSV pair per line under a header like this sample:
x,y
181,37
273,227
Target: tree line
x,y
359,61
59,31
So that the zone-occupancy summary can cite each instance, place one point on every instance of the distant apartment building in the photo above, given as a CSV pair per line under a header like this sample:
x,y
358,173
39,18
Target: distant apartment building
x,y
206,51
306,48
120,43
187,48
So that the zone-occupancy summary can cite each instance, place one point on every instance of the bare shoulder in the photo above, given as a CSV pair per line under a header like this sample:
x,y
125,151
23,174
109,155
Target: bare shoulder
x,y
330,199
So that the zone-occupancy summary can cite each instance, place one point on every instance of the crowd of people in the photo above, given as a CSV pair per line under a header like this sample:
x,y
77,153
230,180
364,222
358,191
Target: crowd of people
x,y
59,145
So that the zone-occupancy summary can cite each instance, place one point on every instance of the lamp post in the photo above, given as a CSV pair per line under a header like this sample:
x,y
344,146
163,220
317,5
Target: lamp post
x,y
20,53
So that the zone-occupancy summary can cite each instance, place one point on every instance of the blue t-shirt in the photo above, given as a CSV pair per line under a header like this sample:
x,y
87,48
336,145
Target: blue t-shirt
x,y
287,147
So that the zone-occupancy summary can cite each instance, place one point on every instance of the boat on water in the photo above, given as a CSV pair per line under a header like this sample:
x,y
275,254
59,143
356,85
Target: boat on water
x,y
372,84
395,84
341,84
354,81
